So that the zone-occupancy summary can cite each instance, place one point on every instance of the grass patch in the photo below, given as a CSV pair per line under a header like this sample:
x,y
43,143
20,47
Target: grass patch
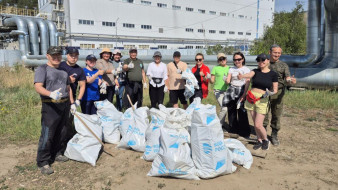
x,y
332,129
20,106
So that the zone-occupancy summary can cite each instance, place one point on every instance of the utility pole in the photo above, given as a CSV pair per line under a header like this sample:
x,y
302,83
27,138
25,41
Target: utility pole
x,y
116,32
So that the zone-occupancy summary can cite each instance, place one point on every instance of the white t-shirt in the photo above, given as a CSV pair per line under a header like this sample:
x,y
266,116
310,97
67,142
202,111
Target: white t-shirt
x,y
234,72
157,71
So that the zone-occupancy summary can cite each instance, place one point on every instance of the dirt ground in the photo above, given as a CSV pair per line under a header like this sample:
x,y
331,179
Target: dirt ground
x,y
306,159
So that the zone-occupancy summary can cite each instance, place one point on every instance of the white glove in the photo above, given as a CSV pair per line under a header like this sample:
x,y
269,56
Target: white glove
x,y
165,89
73,109
225,78
145,85
77,103
238,104
268,93
131,65
149,77
56,94
208,76
103,88
118,70
179,71
116,90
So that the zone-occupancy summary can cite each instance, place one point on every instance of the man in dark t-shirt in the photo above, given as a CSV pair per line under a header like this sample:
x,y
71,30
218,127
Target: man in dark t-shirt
x,y
77,78
52,84
135,77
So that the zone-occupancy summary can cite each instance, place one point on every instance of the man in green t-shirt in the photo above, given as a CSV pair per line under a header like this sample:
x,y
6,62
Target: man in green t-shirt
x,y
218,78
135,76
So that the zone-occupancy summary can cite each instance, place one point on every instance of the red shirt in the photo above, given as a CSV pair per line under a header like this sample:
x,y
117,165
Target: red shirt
x,y
205,69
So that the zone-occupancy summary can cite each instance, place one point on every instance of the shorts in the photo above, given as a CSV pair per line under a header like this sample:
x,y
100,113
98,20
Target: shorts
x,y
174,95
261,106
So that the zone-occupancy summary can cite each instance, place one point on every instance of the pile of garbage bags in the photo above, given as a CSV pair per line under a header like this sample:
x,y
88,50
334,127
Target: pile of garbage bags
x,y
187,144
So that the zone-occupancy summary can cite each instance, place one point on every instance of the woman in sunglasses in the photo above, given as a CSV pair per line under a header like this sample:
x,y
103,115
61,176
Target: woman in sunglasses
x,y
262,81
234,96
202,74
218,78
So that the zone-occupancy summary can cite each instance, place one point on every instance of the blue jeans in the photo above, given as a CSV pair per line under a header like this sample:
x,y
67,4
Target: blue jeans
x,y
119,103
88,107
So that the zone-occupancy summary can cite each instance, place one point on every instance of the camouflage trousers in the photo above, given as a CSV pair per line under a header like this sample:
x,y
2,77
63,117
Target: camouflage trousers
x,y
276,109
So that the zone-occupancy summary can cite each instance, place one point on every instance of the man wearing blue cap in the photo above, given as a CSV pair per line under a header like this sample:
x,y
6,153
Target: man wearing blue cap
x,y
77,78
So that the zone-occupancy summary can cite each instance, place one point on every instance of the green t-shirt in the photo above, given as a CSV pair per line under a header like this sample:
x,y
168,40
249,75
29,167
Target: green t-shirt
x,y
219,72
134,74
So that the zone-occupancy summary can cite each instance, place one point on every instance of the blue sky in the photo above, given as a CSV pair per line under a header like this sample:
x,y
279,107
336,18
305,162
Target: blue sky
x,y
288,5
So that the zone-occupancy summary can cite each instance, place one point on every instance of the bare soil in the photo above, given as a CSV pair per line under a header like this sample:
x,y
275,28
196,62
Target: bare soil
x,y
306,159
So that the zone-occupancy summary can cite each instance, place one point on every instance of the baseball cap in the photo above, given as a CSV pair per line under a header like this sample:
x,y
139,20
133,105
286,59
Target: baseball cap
x,y
177,54
219,55
157,53
117,51
72,50
133,50
261,57
90,57
52,50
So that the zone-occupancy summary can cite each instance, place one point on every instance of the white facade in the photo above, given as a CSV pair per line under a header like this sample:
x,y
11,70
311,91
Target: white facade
x,y
163,24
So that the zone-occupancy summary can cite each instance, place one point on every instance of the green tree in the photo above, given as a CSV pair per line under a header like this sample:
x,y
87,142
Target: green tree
x,y
213,50
20,3
288,31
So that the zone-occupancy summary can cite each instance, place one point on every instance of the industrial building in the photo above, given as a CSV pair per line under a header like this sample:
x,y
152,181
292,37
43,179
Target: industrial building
x,y
159,24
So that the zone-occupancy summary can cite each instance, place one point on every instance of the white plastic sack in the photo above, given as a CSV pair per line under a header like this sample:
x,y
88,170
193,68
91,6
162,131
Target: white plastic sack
x,y
240,154
84,147
209,152
190,109
133,127
191,83
153,134
174,157
110,121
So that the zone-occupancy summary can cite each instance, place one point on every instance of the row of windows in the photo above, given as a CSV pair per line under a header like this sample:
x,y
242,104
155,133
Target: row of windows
x,y
214,31
189,9
86,22
111,46
111,24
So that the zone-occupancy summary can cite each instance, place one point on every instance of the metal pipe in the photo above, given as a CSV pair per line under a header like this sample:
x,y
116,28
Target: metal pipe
x,y
44,36
34,37
53,40
21,24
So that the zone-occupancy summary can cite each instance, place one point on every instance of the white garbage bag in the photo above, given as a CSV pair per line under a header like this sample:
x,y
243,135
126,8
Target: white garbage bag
x,y
153,134
209,152
240,154
191,83
133,127
84,147
174,157
190,109
110,121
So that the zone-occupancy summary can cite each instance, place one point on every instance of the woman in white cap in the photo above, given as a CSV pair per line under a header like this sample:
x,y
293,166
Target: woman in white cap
x,y
218,78
264,83
120,79
157,74
234,96
108,84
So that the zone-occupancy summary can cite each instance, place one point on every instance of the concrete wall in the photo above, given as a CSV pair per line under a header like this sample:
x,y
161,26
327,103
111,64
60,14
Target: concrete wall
x,y
9,57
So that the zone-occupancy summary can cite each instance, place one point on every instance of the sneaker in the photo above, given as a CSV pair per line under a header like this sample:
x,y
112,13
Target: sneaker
x,y
265,145
257,146
61,158
274,140
46,170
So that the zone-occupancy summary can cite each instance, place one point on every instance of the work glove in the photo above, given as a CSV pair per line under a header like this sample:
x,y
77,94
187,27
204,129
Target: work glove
x,y
145,85
165,89
117,90
268,93
118,70
56,94
238,104
103,88
208,76
149,77
72,109
179,71
130,65
225,77
77,103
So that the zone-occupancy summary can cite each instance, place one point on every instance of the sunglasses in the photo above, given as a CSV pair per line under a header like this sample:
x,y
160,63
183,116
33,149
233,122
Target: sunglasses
x,y
237,59
198,60
221,59
260,60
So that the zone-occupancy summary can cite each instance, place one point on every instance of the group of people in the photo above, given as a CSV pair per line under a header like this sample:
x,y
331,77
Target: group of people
x,y
59,82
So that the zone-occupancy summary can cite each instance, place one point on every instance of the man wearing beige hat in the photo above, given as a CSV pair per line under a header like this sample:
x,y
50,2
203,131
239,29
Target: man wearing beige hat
x,y
108,85
218,78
